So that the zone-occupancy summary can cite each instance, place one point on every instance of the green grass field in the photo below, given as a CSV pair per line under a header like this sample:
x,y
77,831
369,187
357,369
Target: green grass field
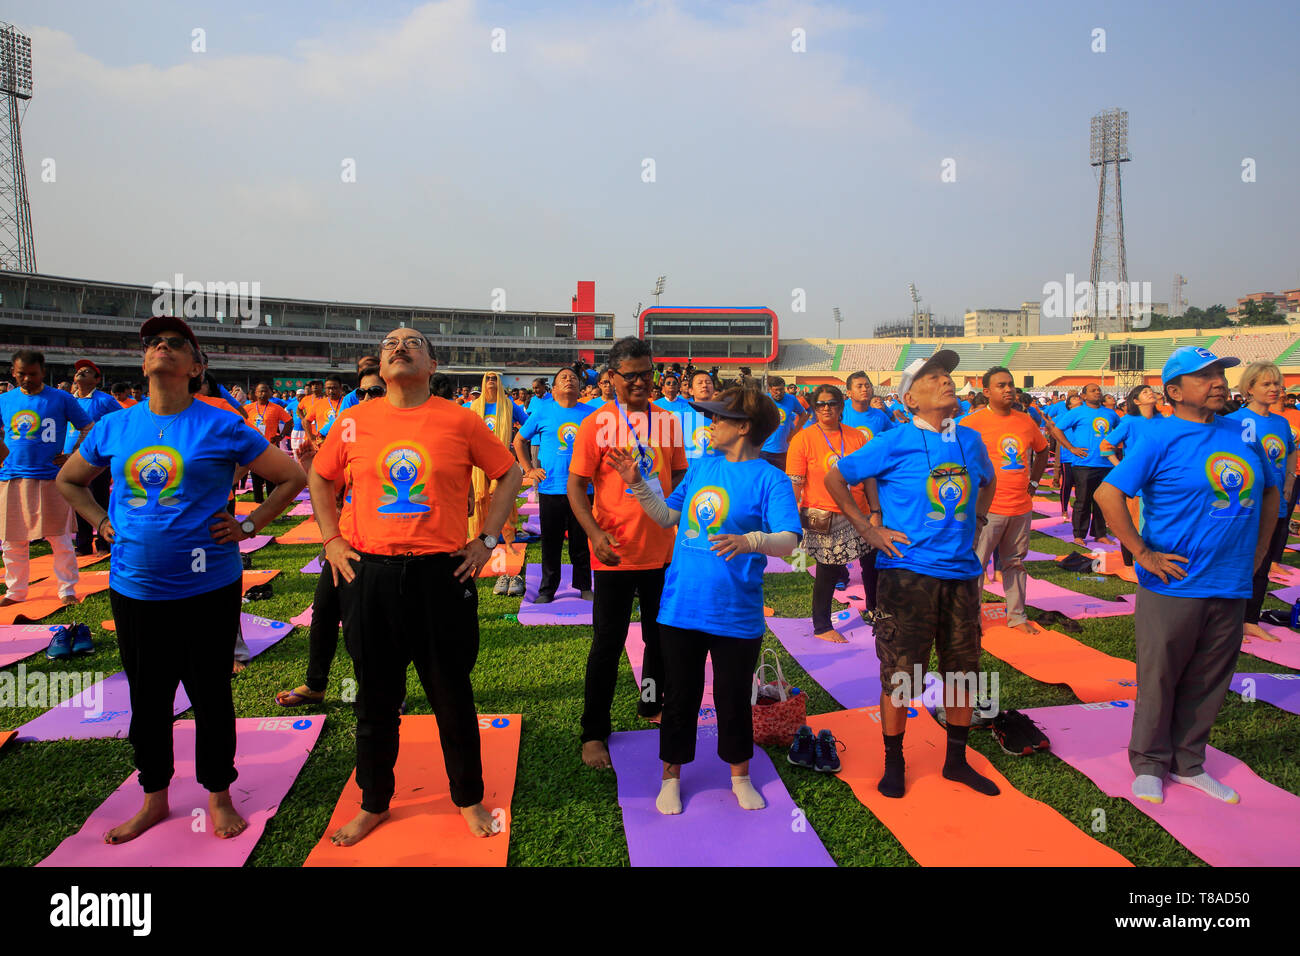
x,y
563,813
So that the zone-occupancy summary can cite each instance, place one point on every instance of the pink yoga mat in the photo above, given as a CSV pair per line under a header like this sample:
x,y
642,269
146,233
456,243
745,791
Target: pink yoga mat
x,y
635,649
848,672
530,509
1047,596
712,830
301,510
18,641
269,754
1061,529
1285,652
567,608
778,566
303,619
1280,690
1259,831
255,543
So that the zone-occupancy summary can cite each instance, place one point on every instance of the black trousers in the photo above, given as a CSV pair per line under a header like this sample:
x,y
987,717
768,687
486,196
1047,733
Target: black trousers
x,y
323,638
1086,482
402,610
610,615
828,575
86,536
1276,545
868,562
557,518
187,641
1067,485
734,660
260,483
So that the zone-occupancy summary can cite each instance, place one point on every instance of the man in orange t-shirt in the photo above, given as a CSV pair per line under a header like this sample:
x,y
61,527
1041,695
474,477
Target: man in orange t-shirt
x,y
408,592
1010,437
629,551
274,424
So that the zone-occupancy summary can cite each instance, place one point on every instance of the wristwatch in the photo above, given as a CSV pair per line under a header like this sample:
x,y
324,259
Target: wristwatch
x,y
1033,485
489,541
247,526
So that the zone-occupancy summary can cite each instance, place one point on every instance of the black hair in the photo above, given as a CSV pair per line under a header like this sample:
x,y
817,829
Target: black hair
x,y
988,376
30,357
848,382
441,386
627,348
835,393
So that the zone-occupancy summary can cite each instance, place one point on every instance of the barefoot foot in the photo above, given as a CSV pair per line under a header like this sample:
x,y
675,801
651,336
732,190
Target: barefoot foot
x,y
834,636
356,829
479,820
155,810
1028,627
226,821
596,755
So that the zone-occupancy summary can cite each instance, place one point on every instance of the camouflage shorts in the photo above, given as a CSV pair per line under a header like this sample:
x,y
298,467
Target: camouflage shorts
x,y
916,612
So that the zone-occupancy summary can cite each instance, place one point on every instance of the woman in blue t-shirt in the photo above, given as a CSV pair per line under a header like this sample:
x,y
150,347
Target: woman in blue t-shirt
x,y
174,583
731,510
1066,461
1139,412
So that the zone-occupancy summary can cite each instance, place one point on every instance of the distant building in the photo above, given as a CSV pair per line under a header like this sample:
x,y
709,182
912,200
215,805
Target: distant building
x,y
1021,321
926,328
1081,322
1284,302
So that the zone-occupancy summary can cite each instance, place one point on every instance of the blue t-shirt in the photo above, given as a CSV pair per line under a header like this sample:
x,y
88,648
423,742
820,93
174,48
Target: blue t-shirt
x,y
871,423
1086,426
595,402
1201,485
552,427
679,406
696,430
351,398
1033,412
96,405
33,424
292,409
1129,431
723,497
517,414
166,494
790,410
936,512
1273,432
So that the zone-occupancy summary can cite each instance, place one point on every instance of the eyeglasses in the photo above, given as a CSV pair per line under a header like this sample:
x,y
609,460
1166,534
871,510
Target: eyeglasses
x,y
647,376
411,345
173,342
374,391
949,472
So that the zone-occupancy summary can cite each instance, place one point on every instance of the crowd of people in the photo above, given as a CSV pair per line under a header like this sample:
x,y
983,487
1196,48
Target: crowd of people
x,y
669,487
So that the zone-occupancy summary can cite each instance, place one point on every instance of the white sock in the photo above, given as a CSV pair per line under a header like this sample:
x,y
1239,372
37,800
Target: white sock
x,y
750,799
1149,788
669,800
1207,784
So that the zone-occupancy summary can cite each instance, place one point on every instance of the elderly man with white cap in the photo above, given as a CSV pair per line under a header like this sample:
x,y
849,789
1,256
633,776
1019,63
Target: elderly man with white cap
x,y
1209,501
934,482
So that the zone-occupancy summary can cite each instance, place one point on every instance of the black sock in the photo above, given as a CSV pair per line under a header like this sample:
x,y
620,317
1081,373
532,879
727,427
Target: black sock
x,y
891,784
956,768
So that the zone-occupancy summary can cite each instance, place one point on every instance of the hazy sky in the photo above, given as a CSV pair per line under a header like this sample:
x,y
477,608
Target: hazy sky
x,y
774,170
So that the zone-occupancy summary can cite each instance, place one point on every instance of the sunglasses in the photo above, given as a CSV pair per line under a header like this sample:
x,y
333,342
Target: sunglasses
x,y
647,376
173,342
375,391
828,404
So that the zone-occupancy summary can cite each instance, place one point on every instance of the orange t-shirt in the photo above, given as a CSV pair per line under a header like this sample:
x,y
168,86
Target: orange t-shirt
x,y
266,420
811,455
1292,415
410,472
1009,440
642,544
323,411
127,403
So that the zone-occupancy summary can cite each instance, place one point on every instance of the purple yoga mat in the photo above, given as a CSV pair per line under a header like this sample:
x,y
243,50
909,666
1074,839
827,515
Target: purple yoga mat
x,y
1061,529
255,543
104,708
567,608
1047,596
848,672
855,594
530,509
312,566
533,525
778,566
304,495
1280,690
712,829
269,754
301,510
18,641
635,648
1093,738
1287,595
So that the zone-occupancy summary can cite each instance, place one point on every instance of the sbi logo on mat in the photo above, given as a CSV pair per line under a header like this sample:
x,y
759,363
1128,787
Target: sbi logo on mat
x,y
487,721
284,723
1105,704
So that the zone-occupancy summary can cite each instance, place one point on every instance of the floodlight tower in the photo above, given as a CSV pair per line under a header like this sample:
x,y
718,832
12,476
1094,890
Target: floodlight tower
x,y
916,312
17,247
659,288
1109,147
839,320
1177,304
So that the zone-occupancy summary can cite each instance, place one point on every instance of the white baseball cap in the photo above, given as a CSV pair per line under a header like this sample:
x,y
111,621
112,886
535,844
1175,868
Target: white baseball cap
x,y
945,359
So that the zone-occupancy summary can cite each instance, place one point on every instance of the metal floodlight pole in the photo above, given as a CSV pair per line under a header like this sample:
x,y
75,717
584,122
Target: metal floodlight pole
x,y
1108,146
659,287
839,320
916,310
17,245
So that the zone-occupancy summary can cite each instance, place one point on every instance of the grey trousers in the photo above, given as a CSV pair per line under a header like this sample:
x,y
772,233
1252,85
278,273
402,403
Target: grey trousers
x,y
1186,652
1010,535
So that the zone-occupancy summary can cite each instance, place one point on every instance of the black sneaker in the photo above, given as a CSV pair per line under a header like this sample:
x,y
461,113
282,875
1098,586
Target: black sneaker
x,y
259,592
828,760
1012,736
803,751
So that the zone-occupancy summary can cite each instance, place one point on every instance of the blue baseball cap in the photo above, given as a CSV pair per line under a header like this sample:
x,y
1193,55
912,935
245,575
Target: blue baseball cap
x,y
1193,358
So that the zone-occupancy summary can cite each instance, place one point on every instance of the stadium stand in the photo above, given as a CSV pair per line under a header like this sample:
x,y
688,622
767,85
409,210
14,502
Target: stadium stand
x,y
807,356
1255,348
1045,355
876,355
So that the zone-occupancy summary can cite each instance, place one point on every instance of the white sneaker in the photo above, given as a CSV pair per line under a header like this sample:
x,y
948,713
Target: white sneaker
x,y
502,584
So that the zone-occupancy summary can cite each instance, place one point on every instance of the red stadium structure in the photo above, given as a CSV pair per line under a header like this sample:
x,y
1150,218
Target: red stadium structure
x,y
744,335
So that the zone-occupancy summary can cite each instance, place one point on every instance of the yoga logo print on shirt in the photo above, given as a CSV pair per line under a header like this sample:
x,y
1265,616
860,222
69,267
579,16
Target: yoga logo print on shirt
x,y
647,460
25,425
1274,448
1100,427
1013,455
948,488
701,438
403,468
1233,480
705,514
153,480
565,435
867,433
829,462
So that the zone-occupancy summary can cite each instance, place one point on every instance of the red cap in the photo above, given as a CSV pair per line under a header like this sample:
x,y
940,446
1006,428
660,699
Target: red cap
x,y
87,363
168,323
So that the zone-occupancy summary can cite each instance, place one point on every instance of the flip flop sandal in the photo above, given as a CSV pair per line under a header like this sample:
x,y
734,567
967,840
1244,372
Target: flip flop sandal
x,y
282,698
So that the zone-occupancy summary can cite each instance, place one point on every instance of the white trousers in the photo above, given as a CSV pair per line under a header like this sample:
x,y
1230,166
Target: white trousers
x,y
18,561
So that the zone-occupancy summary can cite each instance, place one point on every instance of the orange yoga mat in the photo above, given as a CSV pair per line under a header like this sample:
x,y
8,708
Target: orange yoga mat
x,y
1112,562
42,567
43,597
426,828
942,823
1055,658
6,736
506,559
306,533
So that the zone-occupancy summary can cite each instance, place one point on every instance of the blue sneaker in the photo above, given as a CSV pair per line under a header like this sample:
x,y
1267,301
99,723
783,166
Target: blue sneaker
x,y
81,641
60,645
802,750
828,760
